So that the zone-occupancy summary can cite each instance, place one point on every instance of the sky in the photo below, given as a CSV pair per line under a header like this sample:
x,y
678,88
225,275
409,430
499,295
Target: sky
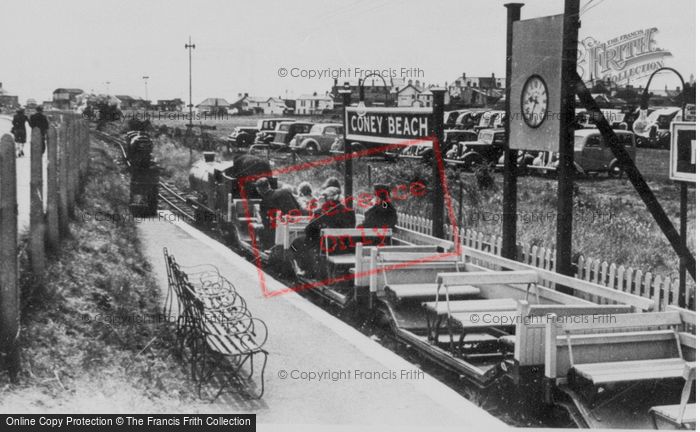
x,y
241,46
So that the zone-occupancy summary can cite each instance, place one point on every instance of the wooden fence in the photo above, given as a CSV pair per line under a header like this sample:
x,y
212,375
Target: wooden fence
x,y
662,289
67,147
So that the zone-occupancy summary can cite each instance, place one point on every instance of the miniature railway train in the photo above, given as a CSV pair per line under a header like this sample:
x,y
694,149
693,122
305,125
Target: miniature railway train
x,y
482,316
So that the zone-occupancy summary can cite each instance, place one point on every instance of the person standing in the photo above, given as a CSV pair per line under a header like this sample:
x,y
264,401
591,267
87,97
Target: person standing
x,y
19,131
38,119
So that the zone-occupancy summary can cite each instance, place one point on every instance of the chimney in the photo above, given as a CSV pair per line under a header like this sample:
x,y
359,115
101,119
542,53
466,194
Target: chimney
x,y
464,75
245,94
417,83
410,82
240,95
315,94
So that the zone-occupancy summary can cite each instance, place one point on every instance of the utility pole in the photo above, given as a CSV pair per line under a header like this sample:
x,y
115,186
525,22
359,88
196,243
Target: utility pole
x,y
565,172
510,165
145,84
107,83
190,46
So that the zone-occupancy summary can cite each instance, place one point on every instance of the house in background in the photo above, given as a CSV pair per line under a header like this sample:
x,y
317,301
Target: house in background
x,y
66,98
408,95
213,106
247,104
170,104
476,91
374,91
313,104
275,106
7,100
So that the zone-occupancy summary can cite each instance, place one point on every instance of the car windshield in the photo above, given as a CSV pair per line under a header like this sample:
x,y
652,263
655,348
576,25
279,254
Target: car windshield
x,y
486,136
316,129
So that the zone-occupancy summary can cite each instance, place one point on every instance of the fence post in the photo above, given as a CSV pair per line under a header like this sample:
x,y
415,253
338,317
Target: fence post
x,y
9,286
52,190
36,207
70,180
63,215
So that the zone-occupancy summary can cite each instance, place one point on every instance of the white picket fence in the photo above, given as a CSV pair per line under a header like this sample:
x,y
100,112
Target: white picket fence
x,y
662,289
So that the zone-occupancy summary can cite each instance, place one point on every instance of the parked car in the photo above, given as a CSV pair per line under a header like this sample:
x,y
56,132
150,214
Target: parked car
x,y
319,139
266,129
491,120
469,119
285,132
242,136
593,155
487,148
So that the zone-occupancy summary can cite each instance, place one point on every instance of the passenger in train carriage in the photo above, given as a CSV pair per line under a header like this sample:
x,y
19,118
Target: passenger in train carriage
x,y
332,182
332,213
19,131
306,198
383,213
273,201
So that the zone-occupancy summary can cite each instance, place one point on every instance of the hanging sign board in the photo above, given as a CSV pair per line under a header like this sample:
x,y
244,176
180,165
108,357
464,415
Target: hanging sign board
x,y
388,125
535,93
683,152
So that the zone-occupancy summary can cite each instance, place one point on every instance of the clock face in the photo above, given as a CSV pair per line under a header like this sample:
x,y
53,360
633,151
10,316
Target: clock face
x,y
534,101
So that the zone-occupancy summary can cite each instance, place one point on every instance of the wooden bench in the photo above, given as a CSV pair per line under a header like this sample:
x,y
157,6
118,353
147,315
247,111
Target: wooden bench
x,y
681,416
619,349
338,244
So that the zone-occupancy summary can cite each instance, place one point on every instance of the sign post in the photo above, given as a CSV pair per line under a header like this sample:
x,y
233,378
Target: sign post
x,y
438,192
510,157
682,169
567,123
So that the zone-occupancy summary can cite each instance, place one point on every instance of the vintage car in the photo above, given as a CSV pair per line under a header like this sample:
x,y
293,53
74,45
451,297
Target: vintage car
x,y
491,120
285,132
450,118
242,136
487,148
469,119
319,139
266,129
593,155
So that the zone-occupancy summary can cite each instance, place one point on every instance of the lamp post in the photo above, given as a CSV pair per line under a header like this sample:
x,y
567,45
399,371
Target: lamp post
x,y
640,124
145,84
107,83
190,46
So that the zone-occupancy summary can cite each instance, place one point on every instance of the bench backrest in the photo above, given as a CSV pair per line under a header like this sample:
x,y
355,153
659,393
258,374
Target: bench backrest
x,y
408,267
530,329
620,337
488,278
336,241
288,229
238,208
580,286
416,238
363,258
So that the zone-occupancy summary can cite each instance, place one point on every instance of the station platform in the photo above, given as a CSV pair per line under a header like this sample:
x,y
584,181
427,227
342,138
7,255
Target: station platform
x,y
305,338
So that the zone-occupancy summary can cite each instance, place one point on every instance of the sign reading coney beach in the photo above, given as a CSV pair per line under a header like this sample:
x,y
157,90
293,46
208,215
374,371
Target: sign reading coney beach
x,y
388,125
625,58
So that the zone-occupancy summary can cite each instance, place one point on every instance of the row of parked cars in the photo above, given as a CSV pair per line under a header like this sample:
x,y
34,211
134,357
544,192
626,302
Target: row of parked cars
x,y
288,134
472,137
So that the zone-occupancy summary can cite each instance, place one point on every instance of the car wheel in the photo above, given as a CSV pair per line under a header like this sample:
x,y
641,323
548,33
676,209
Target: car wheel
x,y
471,162
615,170
311,149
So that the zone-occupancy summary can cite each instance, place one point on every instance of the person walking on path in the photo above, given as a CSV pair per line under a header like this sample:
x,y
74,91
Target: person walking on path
x,y
38,119
19,131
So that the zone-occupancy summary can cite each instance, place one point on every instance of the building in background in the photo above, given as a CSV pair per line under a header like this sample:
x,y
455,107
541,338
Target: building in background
x,y
476,92
375,92
176,104
7,100
313,104
66,98
213,106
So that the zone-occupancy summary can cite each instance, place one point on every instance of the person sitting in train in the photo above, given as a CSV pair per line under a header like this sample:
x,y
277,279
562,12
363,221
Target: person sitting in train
x,y
332,182
383,213
306,199
281,200
332,213
247,165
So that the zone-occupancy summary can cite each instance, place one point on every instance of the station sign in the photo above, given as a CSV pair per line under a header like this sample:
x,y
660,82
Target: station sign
x,y
536,83
683,152
388,125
